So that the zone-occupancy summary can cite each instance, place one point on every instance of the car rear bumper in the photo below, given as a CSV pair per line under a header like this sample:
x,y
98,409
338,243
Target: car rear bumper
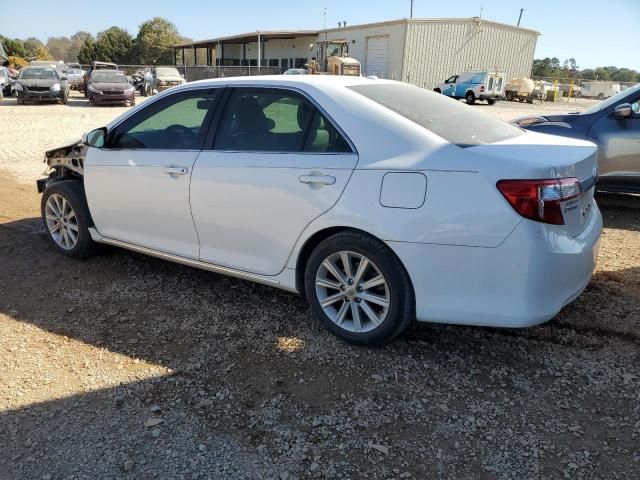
x,y
523,282
490,97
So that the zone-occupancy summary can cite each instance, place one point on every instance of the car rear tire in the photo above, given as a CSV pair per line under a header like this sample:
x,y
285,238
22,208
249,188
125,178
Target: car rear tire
x,y
510,96
470,98
66,218
491,102
437,90
359,289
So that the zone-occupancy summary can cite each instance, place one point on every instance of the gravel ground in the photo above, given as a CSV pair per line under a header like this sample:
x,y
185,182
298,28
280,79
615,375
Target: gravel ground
x,y
123,366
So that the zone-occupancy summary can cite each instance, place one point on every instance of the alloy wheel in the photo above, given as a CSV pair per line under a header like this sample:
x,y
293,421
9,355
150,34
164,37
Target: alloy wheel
x,y
62,222
352,291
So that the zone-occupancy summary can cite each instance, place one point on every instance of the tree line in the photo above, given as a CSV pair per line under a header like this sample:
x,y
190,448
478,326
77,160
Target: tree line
x,y
552,68
151,46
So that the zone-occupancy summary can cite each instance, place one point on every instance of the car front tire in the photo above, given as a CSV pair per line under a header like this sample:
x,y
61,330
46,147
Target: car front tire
x,y
359,289
66,218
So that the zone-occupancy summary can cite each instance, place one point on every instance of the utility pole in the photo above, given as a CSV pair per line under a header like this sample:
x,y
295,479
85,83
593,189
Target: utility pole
x,y
411,13
259,53
325,23
520,17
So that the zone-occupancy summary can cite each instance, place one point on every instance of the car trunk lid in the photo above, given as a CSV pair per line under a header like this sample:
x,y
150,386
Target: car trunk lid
x,y
558,157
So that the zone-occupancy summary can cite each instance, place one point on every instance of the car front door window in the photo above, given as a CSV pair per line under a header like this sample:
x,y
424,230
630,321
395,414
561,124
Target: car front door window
x,y
176,123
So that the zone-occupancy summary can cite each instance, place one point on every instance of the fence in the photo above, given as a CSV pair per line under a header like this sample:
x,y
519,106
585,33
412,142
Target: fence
x,y
201,72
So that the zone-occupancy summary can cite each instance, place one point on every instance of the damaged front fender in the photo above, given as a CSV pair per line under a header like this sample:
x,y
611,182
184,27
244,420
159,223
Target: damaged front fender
x,y
69,157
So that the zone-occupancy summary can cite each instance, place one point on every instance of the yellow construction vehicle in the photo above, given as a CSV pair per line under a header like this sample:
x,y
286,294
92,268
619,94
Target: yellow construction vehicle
x,y
331,57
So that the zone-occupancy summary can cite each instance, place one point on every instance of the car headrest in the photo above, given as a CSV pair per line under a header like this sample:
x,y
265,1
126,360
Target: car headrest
x,y
304,112
250,117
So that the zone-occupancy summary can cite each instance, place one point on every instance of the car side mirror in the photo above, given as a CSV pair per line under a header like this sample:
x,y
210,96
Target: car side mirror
x,y
95,138
622,111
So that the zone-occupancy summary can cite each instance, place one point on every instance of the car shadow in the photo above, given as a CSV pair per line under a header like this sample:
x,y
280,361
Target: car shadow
x,y
218,336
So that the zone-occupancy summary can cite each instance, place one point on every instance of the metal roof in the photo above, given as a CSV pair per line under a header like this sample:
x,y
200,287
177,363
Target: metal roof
x,y
285,34
431,20
252,37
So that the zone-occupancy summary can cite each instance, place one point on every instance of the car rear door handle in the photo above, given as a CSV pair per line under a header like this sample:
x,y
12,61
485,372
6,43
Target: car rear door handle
x,y
176,170
318,179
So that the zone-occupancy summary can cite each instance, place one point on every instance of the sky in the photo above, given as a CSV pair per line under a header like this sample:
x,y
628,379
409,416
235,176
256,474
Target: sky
x,y
594,32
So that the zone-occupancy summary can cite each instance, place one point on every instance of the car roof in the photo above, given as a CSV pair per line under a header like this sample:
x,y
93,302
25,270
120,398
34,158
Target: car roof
x,y
318,81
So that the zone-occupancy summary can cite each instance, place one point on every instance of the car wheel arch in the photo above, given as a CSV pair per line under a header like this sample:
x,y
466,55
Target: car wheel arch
x,y
309,245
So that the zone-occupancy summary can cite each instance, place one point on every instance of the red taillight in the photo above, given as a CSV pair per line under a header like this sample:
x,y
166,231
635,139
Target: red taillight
x,y
482,88
540,200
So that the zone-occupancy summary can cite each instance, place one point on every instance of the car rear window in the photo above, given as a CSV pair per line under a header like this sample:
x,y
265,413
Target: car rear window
x,y
460,124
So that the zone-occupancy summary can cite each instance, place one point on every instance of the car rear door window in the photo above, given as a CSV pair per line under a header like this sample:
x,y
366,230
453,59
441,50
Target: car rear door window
x,y
178,122
274,120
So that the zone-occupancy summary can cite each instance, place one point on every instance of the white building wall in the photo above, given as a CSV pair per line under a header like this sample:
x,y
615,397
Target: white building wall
x,y
357,37
436,50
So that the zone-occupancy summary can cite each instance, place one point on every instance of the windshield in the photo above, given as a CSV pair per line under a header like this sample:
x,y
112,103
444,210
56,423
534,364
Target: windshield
x,y
611,100
38,73
450,119
167,72
106,76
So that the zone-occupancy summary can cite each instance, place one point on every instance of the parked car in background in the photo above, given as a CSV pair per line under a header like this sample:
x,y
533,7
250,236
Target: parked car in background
x,y
295,71
166,77
96,66
75,77
109,87
44,63
472,86
41,83
614,125
318,184
7,82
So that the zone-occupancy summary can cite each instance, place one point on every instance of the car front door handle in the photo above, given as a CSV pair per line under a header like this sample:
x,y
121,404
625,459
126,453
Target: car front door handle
x,y
175,171
318,179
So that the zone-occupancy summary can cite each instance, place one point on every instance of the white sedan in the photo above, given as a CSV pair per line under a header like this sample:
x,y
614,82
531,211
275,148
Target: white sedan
x,y
380,201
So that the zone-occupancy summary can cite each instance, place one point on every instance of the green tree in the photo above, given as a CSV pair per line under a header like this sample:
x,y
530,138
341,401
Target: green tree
x,y
14,47
114,45
77,40
31,46
625,75
155,40
88,52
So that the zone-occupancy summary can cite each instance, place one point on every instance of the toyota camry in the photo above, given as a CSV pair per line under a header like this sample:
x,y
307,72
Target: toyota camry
x,y
379,201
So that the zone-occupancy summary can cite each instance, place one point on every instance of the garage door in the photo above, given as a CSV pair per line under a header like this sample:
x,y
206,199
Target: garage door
x,y
377,56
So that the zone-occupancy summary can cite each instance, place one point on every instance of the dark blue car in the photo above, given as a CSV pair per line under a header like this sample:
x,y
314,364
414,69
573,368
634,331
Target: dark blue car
x,y
614,125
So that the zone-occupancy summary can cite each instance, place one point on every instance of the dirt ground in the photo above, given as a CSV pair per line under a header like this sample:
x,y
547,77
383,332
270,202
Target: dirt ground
x,y
123,366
